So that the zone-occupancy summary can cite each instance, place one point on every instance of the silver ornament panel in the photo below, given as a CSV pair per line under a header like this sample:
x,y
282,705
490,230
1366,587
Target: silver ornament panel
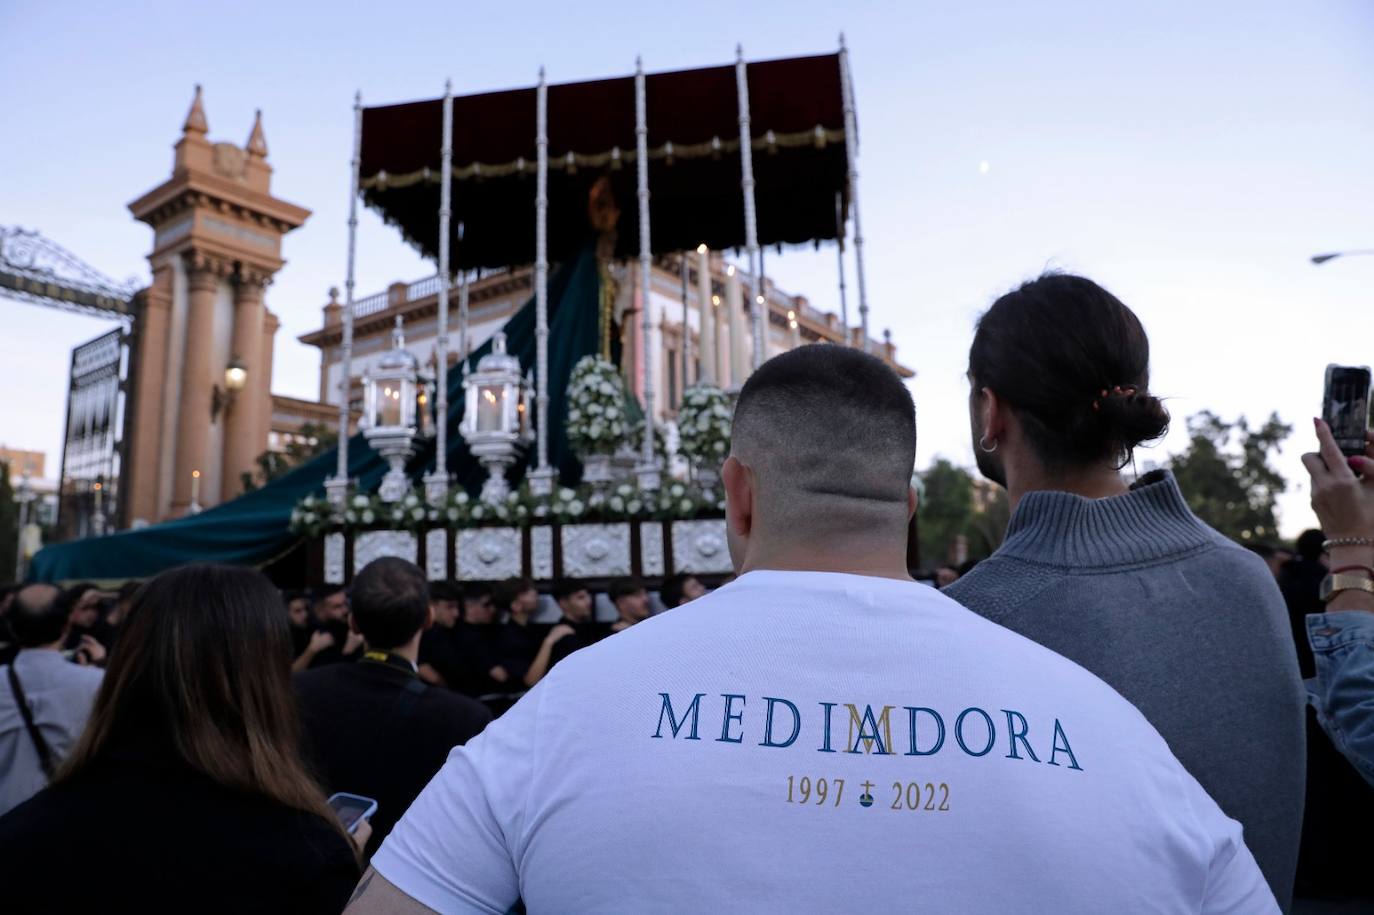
x,y
488,553
596,550
700,546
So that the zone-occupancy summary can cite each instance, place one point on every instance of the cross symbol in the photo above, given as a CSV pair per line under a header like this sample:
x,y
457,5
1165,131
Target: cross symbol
x,y
868,787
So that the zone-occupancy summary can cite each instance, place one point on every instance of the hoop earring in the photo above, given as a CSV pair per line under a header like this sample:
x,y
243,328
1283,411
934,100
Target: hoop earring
x,y
983,444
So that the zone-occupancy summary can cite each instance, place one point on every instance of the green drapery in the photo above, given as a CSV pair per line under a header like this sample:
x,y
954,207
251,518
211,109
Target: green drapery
x,y
252,529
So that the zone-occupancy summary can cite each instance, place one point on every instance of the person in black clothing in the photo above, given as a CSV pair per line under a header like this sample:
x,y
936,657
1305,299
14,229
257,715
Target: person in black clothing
x,y
374,727
333,641
631,601
575,630
186,791
680,589
441,664
478,640
298,617
520,638
1300,581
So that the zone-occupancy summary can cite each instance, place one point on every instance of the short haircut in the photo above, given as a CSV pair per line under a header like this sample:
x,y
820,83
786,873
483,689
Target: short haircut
x,y
830,434
442,590
69,598
38,616
1073,363
624,587
321,594
475,590
672,592
1310,545
505,593
565,587
390,601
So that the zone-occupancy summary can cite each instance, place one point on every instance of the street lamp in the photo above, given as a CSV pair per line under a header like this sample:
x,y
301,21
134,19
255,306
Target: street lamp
x,y
496,418
1320,259
235,377
391,392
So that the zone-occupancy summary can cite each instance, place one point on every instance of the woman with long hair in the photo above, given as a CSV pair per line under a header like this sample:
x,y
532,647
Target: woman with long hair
x,y
186,791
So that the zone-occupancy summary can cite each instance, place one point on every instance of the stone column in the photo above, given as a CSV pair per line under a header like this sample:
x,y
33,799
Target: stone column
x,y
270,323
199,375
150,367
241,444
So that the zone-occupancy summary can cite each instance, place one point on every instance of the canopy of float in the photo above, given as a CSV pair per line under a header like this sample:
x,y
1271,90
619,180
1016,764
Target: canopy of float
x,y
799,160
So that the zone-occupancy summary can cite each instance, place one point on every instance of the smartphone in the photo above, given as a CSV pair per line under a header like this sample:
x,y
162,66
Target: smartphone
x,y
1345,406
352,809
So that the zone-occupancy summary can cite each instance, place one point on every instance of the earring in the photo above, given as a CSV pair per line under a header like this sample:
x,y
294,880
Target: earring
x,y
983,443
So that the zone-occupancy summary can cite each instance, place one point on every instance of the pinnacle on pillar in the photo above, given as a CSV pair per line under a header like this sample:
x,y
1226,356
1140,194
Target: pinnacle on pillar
x,y
195,118
257,140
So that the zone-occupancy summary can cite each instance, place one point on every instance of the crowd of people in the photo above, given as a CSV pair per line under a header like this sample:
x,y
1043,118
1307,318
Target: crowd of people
x,y
1119,710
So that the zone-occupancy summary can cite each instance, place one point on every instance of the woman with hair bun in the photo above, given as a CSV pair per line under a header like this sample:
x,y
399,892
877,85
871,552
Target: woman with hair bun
x,y
1125,579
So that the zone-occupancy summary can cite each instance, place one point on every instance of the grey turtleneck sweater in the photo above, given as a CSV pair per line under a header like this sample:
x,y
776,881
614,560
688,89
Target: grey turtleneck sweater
x,y
1185,624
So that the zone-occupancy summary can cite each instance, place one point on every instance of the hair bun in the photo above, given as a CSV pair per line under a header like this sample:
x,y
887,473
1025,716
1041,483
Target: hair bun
x,y
1133,418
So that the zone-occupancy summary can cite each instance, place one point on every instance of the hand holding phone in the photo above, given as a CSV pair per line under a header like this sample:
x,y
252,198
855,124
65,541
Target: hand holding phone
x,y
352,809
1345,406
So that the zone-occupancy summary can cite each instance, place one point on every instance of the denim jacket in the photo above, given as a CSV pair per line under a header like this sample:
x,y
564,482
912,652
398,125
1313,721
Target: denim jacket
x,y
1342,692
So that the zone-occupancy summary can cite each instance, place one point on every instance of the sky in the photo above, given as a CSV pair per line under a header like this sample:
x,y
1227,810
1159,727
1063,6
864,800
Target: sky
x,y
1190,157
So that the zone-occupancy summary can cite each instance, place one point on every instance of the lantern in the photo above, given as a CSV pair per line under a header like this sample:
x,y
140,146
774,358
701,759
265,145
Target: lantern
x,y
496,418
392,392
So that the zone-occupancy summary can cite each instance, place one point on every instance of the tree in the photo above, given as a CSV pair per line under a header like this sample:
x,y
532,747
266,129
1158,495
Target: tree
x,y
945,509
308,442
9,525
1226,477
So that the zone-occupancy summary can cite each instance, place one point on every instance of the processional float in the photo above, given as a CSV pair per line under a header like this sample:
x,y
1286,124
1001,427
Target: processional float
x,y
738,156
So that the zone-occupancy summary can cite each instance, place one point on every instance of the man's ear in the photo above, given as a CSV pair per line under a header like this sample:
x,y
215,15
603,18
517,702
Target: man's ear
x,y
994,415
429,619
739,496
912,500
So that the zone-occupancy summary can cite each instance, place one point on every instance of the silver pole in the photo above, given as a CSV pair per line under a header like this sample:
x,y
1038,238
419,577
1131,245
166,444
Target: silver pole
x,y
25,495
648,470
462,306
851,149
436,486
337,486
751,229
839,236
686,330
541,478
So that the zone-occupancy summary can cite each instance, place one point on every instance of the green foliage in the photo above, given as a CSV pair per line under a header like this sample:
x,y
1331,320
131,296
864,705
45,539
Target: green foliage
x,y
273,464
953,504
9,525
1226,477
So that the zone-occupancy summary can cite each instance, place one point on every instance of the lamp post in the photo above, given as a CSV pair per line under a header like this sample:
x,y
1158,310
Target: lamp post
x,y
1319,259
23,495
391,392
235,377
496,417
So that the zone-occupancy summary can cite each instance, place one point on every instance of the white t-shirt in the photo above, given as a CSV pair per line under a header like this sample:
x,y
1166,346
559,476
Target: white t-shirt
x,y
807,741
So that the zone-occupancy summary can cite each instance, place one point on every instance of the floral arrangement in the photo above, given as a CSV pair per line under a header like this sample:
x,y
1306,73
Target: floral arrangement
x,y
311,516
704,425
410,512
596,421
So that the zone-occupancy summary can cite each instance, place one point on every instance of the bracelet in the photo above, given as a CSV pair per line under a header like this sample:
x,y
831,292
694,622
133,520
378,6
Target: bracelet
x,y
1354,568
1347,541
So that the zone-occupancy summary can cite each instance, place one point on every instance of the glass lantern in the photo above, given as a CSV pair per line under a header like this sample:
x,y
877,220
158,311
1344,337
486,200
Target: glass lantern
x,y
392,390
496,418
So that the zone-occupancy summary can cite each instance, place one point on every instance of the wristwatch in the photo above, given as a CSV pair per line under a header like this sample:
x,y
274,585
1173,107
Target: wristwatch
x,y
1344,581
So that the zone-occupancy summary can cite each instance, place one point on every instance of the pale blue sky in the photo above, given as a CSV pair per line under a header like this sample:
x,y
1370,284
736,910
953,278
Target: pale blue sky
x,y
1189,156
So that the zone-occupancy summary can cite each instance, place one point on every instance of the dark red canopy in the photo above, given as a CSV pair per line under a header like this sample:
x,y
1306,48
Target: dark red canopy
x,y
797,121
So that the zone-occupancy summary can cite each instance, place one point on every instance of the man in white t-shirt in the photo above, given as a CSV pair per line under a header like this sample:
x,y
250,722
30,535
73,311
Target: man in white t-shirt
x,y
823,734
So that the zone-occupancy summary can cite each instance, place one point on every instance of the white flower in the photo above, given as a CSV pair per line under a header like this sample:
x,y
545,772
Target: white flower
x,y
624,490
575,507
411,500
452,514
574,415
593,409
616,503
360,501
461,498
369,517
635,506
719,447
541,511
478,513
565,493
676,490
351,516
521,511
595,430
703,422
513,498
417,514
685,505
605,388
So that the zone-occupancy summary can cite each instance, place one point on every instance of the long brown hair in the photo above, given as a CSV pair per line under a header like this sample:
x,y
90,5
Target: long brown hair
x,y
203,666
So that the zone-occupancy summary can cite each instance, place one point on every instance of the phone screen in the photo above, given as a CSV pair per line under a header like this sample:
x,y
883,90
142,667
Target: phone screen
x,y
351,809
1346,406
